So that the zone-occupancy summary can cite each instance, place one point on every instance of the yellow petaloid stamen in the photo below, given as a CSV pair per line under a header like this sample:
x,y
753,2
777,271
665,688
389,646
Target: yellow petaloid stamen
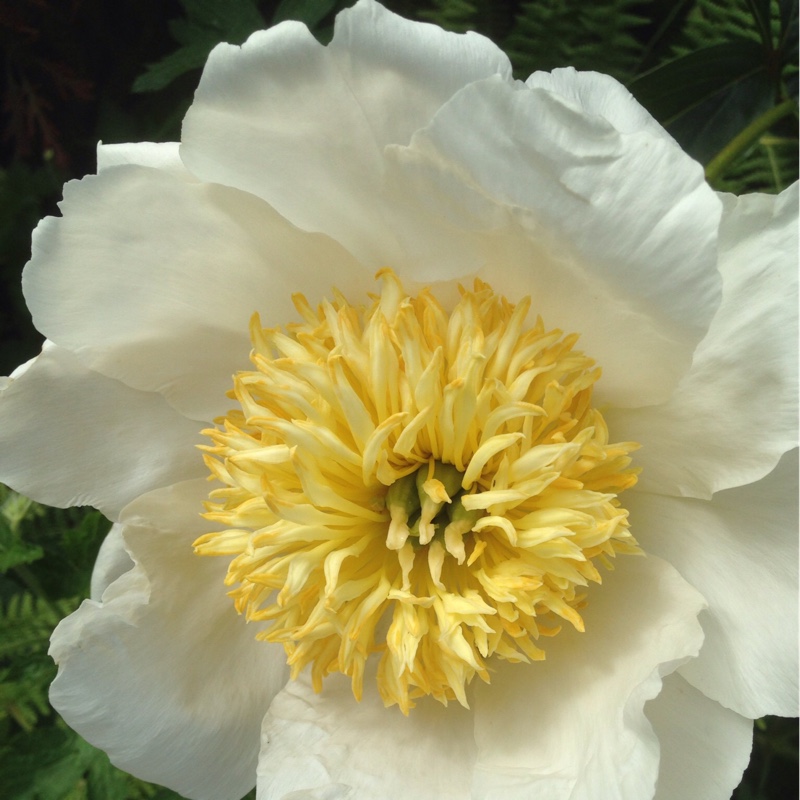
x,y
428,487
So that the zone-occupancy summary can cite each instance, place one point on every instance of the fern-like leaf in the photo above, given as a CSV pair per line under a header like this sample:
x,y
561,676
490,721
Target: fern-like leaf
x,y
770,166
27,621
713,21
452,15
555,33
23,692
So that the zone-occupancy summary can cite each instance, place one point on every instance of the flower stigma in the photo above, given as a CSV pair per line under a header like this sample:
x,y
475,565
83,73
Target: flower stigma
x,y
433,489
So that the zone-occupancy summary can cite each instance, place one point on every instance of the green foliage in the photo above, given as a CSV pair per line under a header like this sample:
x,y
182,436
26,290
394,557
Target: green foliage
x,y
770,165
715,21
47,556
207,23
735,62
452,15
26,622
27,613
599,36
706,97
23,692
311,12
53,763
772,772
14,551
26,194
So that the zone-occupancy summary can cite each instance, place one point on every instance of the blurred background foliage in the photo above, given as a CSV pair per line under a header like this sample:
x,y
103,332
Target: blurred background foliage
x,y
720,75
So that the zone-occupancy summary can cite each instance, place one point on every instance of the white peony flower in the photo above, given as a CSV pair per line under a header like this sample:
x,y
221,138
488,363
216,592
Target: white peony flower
x,y
416,491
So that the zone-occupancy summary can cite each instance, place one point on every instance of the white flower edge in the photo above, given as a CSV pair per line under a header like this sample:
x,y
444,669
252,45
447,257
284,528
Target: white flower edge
x,y
556,729
423,227
381,78
161,673
72,436
734,414
151,278
705,747
566,285
740,550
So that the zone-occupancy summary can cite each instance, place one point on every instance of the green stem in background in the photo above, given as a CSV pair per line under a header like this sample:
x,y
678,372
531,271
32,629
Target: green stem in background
x,y
745,138
769,143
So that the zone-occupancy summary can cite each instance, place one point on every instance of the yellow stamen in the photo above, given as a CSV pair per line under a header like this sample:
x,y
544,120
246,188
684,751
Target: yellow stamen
x,y
425,488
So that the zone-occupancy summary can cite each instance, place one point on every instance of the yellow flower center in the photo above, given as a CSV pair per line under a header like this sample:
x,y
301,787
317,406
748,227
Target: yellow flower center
x,y
428,487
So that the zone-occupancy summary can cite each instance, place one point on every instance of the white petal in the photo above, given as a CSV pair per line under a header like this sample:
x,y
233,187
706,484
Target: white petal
x,y
402,71
740,551
613,234
572,727
599,95
112,562
303,125
705,748
159,155
735,412
70,436
330,746
152,280
162,674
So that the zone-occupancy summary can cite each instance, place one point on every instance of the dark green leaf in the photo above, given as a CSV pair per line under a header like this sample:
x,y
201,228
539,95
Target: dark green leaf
x,y
14,551
80,542
715,22
789,36
207,23
704,130
788,15
27,621
770,166
553,33
104,781
236,18
760,9
166,794
311,12
46,764
706,98
23,690
452,15
189,57
674,88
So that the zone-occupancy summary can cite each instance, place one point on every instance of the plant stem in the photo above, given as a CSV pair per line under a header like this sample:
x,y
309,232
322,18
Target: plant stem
x,y
745,138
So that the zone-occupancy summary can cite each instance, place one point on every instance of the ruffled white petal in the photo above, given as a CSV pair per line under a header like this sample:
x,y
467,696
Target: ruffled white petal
x,y
303,126
735,412
599,95
158,155
401,72
70,436
112,562
162,674
740,550
704,747
152,280
329,746
613,234
562,728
